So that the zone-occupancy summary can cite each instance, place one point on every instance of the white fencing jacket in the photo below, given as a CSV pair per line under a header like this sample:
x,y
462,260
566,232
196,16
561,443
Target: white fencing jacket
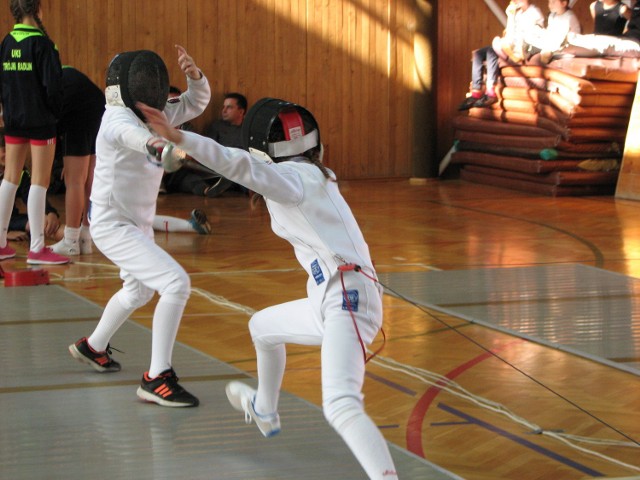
x,y
126,178
306,209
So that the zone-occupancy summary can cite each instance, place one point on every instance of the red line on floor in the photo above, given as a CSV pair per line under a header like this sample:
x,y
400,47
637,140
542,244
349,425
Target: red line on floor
x,y
416,419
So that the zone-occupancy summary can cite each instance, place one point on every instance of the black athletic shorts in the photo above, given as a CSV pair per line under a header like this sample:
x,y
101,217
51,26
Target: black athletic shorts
x,y
79,142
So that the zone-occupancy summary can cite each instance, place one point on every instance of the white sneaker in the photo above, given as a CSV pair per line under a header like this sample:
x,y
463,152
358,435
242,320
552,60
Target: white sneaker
x,y
64,248
241,397
86,246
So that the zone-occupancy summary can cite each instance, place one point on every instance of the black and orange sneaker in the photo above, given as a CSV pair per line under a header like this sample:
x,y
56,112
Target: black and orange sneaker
x,y
165,390
101,361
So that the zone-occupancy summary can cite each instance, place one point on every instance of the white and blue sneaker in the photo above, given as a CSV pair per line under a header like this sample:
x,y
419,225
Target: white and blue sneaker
x,y
198,221
241,397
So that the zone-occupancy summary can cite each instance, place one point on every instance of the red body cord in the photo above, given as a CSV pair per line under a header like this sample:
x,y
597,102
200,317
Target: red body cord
x,y
356,268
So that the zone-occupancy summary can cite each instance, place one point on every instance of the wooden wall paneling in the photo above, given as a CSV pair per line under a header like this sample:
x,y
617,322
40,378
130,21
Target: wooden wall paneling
x,y
97,38
395,46
403,128
159,26
335,90
115,27
380,30
363,160
250,37
203,24
290,52
340,54
344,71
72,39
256,42
325,91
400,128
462,27
419,87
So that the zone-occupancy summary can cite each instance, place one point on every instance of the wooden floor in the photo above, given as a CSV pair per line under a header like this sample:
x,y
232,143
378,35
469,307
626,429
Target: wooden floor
x,y
442,224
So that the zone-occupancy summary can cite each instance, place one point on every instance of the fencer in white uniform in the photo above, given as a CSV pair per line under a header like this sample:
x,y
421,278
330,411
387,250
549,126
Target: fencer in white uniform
x,y
123,205
308,211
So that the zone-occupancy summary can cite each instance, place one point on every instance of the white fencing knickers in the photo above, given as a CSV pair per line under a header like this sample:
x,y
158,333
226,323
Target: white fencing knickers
x,y
145,268
342,361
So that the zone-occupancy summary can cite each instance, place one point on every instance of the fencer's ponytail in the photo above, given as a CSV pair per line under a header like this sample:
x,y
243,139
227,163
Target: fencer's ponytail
x,y
315,159
22,8
40,24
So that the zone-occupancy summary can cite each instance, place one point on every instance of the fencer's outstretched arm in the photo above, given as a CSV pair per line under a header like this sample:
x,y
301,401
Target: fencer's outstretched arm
x,y
274,181
195,100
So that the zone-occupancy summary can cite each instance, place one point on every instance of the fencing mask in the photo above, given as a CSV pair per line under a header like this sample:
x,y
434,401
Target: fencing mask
x,y
279,128
138,76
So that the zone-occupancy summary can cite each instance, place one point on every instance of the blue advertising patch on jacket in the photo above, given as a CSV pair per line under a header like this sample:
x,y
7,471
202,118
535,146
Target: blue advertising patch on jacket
x,y
317,272
353,297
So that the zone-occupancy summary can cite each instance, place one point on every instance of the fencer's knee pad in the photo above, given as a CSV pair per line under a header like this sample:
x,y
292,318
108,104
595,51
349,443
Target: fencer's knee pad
x,y
256,328
341,410
177,285
132,299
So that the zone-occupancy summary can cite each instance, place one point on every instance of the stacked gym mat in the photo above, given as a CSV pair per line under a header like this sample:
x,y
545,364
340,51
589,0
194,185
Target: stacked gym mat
x,y
549,120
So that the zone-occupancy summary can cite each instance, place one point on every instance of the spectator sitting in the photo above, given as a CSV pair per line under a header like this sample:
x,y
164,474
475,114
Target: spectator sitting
x,y
227,130
522,17
542,41
193,178
627,45
609,17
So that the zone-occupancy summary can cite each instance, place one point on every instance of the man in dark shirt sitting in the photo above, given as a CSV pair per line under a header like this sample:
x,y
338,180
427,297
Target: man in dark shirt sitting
x,y
227,130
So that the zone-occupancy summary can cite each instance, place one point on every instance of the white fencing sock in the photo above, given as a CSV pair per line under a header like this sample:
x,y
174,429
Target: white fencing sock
x,y
35,211
113,317
166,320
271,364
7,201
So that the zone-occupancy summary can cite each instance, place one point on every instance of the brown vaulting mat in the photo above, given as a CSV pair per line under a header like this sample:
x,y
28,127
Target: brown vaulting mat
x,y
611,105
536,188
464,122
520,118
553,178
518,164
594,134
528,107
508,140
535,153
610,148
546,123
569,81
614,69
543,74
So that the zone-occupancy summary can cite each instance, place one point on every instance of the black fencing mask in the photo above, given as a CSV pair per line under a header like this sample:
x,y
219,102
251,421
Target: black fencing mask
x,y
138,76
279,128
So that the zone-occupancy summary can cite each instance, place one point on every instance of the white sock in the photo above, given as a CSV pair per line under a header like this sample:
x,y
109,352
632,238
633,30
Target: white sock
x,y
113,317
85,234
367,444
163,223
7,201
71,235
166,320
271,365
35,211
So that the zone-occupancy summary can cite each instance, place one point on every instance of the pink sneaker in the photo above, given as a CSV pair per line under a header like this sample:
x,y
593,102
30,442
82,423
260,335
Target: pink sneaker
x,y
7,252
46,257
